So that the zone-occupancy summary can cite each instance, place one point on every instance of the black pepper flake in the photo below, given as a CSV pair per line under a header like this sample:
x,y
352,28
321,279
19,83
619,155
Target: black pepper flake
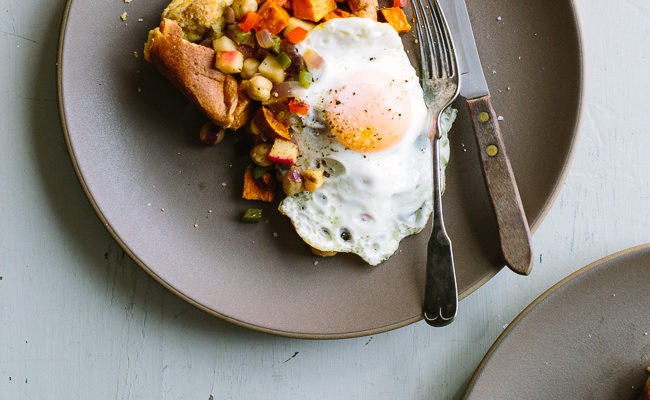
x,y
338,102
373,58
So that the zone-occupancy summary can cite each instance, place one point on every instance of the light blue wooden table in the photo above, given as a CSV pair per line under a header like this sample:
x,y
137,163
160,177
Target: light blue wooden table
x,y
79,320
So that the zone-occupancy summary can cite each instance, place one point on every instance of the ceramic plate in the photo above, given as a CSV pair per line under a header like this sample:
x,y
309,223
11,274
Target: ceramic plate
x,y
174,205
588,337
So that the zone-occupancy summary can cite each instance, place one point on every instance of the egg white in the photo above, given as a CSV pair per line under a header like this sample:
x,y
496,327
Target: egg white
x,y
371,200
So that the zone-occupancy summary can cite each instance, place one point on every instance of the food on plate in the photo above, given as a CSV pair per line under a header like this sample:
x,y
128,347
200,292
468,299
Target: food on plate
x,y
367,132
328,101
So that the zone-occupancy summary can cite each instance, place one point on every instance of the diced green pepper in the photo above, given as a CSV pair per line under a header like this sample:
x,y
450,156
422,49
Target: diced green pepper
x,y
238,35
284,60
304,78
276,44
252,215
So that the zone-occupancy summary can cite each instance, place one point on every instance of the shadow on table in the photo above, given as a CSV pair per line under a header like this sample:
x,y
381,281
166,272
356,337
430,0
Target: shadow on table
x,y
126,287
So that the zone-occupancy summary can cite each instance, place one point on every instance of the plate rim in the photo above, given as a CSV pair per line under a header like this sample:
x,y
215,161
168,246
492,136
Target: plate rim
x,y
541,298
568,161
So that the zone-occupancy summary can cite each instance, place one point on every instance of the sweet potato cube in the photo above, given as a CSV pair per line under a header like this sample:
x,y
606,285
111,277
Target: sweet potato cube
x,y
338,13
364,8
272,17
396,18
270,126
283,152
313,10
254,191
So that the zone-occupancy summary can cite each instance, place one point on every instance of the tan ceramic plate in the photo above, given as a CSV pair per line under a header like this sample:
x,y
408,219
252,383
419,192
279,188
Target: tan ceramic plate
x,y
585,338
132,139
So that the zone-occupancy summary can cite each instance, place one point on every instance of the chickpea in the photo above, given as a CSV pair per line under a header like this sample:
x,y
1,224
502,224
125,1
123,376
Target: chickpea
x,y
250,68
259,88
259,154
292,181
253,128
242,7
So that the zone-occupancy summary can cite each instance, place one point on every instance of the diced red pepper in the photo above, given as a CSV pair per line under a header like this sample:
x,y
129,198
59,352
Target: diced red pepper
x,y
249,21
399,3
298,107
297,35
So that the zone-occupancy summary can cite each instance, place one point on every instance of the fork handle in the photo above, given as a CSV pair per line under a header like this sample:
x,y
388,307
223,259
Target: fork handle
x,y
514,233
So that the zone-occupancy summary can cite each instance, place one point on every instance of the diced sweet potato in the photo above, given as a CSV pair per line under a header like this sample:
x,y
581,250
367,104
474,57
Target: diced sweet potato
x,y
396,18
255,191
312,10
338,13
272,17
269,126
283,152
364,8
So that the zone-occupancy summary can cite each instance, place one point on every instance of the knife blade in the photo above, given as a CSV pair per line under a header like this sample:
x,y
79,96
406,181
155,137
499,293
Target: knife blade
x,y
514,233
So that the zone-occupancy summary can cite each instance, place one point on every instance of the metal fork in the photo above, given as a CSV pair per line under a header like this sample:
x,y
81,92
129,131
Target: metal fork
x,y
439,77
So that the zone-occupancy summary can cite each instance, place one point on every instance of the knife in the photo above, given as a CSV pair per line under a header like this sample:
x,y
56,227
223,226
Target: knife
x,y
514,233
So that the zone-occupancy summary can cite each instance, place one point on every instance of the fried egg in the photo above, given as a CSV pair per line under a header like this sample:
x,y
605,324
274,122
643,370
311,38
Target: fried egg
x,y
367,129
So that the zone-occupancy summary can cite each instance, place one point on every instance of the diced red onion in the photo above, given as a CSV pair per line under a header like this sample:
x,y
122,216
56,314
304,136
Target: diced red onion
x,y
292,70
229,15
297,63
313,59
261,53
295,175
287,89
247,51
264,38
211,134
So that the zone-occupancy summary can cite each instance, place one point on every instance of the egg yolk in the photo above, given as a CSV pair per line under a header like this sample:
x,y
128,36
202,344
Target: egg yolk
x,y
370,112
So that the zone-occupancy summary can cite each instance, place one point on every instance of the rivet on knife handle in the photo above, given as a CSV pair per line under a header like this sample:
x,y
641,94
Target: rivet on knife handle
x,y
514,233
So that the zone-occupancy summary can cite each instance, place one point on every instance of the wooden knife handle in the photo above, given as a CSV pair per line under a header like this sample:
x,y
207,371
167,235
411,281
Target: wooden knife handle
x,y
514,233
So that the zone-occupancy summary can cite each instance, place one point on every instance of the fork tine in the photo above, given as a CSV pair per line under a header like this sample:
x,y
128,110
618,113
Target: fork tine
x,y
425,60
441,59
429,56
451,63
